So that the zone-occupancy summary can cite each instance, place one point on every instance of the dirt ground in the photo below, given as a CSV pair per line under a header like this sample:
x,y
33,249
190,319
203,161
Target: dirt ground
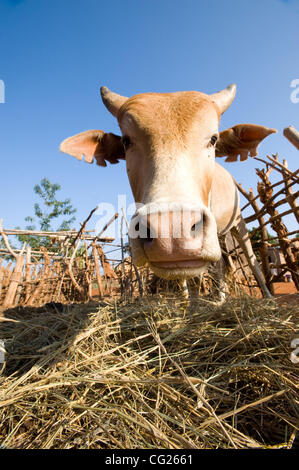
x,y
286,293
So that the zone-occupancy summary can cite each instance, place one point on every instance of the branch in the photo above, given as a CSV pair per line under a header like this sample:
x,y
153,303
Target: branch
x,y
83,226
292,135
5,239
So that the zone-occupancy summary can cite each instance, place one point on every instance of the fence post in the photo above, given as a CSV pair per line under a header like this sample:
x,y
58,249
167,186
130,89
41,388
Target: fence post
x,y
14,282
28,273
96,261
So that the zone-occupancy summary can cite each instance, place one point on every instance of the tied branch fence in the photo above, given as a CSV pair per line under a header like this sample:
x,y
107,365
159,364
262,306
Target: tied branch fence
x,y
278,254
72,267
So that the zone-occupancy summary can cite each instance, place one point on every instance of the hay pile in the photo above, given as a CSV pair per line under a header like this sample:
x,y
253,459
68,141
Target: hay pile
x,y
150,374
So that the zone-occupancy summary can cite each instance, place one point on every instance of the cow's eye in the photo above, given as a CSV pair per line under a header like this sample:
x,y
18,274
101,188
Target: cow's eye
x,y
213,139
126,141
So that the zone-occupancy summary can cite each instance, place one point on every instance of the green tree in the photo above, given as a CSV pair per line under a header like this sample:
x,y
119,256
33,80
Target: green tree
x,y
2,256
49,210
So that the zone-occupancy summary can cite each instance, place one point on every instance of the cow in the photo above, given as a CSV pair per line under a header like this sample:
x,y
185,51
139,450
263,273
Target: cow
x,y
185,200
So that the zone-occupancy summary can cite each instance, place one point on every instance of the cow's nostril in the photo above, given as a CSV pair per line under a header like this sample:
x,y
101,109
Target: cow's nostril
x,y
144,232
196,229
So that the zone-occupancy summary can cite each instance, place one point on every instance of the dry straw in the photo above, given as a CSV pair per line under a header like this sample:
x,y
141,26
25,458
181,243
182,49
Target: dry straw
x,y
150,373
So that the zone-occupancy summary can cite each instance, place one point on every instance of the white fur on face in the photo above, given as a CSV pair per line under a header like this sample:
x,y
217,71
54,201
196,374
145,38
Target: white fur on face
x,y
166,166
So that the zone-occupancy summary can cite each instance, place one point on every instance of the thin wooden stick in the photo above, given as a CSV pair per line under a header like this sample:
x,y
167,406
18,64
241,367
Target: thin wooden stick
x,y
97,238
28,273
99,278
38,290
5,239
70,264
14,281
108,271
61,235
276,217
83,226
288,235
36,254
290,196
140,285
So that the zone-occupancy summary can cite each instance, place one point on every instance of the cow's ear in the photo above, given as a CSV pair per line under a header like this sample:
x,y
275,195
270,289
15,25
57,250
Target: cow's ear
x,y
242,139
94,144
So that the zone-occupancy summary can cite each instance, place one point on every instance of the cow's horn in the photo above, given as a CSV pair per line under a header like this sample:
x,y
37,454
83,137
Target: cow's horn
x,y
224,98
111,100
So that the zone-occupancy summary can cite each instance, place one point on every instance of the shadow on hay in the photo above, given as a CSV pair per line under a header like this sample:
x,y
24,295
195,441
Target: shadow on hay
x,y
40,335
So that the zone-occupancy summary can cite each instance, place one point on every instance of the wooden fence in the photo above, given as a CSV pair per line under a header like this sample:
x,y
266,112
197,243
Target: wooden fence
x,y
72,267
270,196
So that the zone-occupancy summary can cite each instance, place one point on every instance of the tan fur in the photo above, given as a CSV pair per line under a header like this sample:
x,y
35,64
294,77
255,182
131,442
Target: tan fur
x,y
171,159
170,143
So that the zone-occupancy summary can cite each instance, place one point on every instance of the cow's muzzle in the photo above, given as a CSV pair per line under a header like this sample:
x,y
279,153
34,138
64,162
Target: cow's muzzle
x,y
176,241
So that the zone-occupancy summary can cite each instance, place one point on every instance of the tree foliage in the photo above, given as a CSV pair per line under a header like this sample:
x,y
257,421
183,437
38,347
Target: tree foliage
x,y
256,238
48,211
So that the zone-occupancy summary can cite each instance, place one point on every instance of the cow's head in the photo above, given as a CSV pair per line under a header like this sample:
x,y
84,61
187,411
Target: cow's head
x,y
169,142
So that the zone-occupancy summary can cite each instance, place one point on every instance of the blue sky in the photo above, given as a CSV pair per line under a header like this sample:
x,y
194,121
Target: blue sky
x,y
55,55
